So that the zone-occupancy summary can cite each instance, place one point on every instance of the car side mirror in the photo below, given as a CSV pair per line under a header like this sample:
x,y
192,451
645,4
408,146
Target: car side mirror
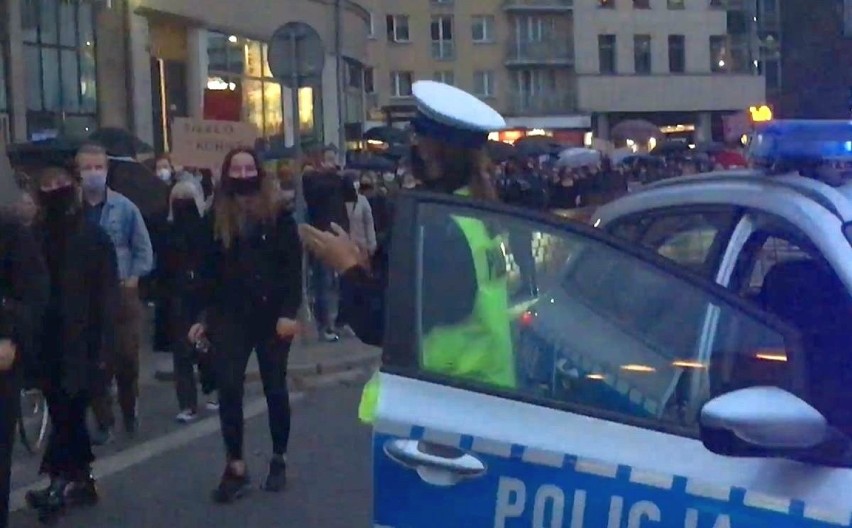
x,y
762,418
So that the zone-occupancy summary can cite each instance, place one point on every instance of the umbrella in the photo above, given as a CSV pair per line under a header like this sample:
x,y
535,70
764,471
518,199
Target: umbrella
x,y
54,151
637,130
578,157
387,134
669,148
120,142
533,146
499,151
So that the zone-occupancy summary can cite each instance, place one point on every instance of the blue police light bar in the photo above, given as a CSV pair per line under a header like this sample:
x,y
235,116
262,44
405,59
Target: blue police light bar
x,y
801,140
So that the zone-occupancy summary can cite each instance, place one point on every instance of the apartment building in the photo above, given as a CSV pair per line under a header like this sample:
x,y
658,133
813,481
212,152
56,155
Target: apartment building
x,y
67,67
568,66
518,55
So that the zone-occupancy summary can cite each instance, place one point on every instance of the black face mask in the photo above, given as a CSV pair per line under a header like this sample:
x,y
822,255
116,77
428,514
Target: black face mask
x,y
241,186
185,209
57,203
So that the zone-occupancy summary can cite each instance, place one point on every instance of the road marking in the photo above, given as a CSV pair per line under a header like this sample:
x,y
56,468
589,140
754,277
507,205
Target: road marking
x,y
138,454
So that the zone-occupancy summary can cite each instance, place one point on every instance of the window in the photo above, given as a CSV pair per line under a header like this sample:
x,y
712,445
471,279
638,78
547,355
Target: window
x,y
611,331
59,58
677,4
442,37
642,54
369,80
847,18
372,33
239,65
718,53
398,28
641,4
482,28
690,238
677,54
606,54
483,83
717,4
606,4
401,82
446,77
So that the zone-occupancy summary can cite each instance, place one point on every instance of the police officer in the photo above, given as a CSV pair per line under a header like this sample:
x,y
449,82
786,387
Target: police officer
x,y
451,131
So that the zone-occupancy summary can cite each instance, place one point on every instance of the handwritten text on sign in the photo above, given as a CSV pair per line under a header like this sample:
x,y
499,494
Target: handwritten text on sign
x,y
204,143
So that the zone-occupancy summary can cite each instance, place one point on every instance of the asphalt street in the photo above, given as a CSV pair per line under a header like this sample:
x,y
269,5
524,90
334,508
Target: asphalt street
x,y
166,479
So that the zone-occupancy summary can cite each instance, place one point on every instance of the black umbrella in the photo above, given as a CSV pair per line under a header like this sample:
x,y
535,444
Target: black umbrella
x,y
120,142
387,134
669,148
55,151
532,146
499,151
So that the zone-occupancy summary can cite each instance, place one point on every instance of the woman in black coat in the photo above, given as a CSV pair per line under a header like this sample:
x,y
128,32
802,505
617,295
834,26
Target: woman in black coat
x,y
76,335
255,292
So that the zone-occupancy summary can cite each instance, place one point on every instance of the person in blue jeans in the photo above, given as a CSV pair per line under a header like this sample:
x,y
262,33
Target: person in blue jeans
x,y
123,222
325,191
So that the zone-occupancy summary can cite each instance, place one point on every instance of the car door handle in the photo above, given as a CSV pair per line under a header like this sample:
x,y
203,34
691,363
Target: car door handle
x,y
436,465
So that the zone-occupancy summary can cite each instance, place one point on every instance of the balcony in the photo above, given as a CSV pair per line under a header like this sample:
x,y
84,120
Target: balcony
x,y
540,6
547,103
545,53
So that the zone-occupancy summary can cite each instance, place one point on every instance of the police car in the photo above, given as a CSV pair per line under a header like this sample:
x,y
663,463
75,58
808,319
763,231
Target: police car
x,y
686,364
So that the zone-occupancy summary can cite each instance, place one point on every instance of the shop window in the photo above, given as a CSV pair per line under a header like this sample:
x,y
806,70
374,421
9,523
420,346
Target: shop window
x,y
59,58
239,66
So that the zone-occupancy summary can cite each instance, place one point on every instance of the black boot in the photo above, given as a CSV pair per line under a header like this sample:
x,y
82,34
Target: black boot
x,y
52,505
38,498
82,492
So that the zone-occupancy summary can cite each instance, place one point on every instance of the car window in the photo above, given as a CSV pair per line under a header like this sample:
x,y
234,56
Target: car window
x,y
600,328
689,238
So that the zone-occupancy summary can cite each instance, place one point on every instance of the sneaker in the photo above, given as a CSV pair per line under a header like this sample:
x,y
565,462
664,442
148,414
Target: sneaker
x,y
330,336
231,487
186,416
276,480
212,405
101,436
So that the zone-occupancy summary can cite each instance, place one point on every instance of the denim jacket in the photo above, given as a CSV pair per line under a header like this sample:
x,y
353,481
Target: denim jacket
x,y
123,223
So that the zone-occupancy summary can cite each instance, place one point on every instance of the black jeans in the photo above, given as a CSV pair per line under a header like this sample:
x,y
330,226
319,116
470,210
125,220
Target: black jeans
x,y
9,402
69,450
185,358
231,351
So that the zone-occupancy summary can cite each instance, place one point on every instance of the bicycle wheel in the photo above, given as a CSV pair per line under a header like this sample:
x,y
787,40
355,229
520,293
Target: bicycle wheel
x,y
33,420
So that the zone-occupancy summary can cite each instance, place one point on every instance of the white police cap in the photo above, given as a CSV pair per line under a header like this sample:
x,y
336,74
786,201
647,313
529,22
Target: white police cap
x,y
450,114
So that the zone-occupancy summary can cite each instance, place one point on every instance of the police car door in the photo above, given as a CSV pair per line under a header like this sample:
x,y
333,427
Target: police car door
x,y
599,427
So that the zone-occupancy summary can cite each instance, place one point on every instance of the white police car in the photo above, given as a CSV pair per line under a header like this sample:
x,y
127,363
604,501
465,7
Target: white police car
x,y
688,365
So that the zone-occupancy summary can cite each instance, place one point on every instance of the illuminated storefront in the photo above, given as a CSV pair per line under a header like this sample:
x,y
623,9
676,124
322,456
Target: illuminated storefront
x,y
241,87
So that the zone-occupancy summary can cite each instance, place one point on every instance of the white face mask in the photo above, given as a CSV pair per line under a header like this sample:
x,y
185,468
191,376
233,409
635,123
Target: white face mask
x,y
388,177
357,185
93,180
164,174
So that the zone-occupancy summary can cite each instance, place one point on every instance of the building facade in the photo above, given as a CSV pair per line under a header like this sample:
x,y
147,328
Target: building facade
x,y
573,65
69,66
